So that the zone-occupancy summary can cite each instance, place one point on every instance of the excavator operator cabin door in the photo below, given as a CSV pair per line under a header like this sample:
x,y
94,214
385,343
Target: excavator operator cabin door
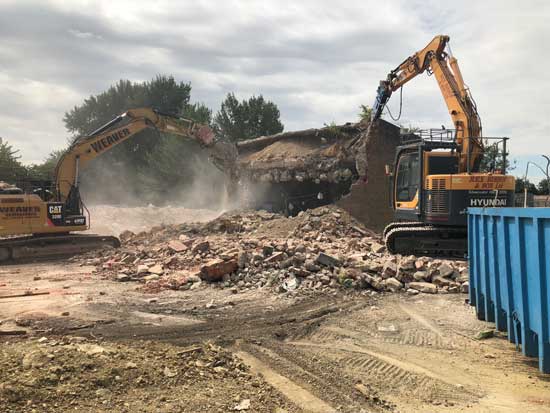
x,y
407,185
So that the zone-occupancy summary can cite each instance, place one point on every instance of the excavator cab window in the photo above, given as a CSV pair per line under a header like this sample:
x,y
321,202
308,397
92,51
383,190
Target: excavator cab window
x,y
407,179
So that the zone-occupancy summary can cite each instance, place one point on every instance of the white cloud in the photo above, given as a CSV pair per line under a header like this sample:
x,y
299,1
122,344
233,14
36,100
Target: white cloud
x,y
84,35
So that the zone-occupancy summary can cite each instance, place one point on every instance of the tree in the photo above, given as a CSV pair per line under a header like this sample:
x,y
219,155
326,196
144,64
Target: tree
x,y
521,184
163,93
247,119
365,114
493,158
543,187
11,169
45,170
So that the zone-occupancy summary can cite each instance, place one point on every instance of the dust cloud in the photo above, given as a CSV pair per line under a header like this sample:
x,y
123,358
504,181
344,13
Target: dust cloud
x,y
112,220
123,200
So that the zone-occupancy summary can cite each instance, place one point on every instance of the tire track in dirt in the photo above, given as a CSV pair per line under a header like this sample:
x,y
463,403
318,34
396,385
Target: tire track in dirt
x,y
295,393
316,374
394,377
412,337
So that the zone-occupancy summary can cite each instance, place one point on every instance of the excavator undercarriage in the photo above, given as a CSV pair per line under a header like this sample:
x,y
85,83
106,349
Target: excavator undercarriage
x,y
419,238
44,246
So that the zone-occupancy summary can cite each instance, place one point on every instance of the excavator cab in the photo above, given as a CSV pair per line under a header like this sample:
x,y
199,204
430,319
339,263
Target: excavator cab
x,y
430,197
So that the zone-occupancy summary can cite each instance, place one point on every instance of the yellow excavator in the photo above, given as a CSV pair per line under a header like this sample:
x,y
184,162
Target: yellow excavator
x,y
43,222
438,174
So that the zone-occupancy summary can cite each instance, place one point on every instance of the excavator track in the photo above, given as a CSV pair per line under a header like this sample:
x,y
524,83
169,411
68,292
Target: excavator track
x,y
30,247
422,239
401,224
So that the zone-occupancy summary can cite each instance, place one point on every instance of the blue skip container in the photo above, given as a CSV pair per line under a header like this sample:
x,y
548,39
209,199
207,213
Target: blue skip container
x,y
509,260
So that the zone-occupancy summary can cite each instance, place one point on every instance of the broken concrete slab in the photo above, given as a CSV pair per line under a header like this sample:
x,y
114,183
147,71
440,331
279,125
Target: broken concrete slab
x,y
214,270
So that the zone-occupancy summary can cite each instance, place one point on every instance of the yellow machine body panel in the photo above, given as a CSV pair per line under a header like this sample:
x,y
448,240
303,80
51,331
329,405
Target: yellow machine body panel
x,y
28,214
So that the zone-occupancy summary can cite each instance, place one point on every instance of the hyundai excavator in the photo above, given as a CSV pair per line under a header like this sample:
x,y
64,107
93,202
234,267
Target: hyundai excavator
x,y
438,174
43,223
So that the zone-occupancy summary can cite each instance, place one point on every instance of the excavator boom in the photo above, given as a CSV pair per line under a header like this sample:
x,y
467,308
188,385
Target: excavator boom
x,y
119,130
460,104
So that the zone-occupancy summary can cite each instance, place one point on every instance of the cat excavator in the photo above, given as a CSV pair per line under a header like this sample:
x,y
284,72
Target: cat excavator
x,y
438,173
44,222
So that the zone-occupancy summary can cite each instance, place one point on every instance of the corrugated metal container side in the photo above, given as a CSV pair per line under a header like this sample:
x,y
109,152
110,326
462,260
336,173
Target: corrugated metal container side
x,y
509,260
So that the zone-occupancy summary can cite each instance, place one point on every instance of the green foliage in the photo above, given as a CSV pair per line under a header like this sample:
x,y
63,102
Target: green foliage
x,y
366,113
493,158
543,187
247,119
332,130
11,169
163,93
521,184
45,170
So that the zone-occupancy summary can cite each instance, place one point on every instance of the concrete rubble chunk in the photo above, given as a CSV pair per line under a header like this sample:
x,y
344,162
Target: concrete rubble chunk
x,y
177,246
243,258
440,281
389,270
374,282
214,270
445,270
276,257
407,263
393,284
377,248
122,277
142,269
311,266
156,269
462,278
243,405
201,246
327,260
423,287
151,277
421,276
126,235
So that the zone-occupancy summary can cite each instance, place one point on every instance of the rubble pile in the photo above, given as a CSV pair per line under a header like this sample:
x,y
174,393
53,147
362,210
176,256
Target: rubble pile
x,y
52,374
323,249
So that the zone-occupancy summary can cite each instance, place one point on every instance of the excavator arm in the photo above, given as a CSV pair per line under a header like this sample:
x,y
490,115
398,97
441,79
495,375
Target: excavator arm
x,y
460,104
122,128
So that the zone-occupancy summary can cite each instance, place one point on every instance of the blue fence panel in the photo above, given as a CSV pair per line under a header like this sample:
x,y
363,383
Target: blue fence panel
x,y
509,259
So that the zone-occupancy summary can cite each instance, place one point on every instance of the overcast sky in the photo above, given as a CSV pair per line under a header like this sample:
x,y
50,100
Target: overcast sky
x,y
318,60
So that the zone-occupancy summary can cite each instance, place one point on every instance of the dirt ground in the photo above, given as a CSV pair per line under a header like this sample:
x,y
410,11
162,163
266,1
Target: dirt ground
x,y
97,345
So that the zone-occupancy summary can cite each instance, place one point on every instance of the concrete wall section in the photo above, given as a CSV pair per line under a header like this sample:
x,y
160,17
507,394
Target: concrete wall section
x,y
369,201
